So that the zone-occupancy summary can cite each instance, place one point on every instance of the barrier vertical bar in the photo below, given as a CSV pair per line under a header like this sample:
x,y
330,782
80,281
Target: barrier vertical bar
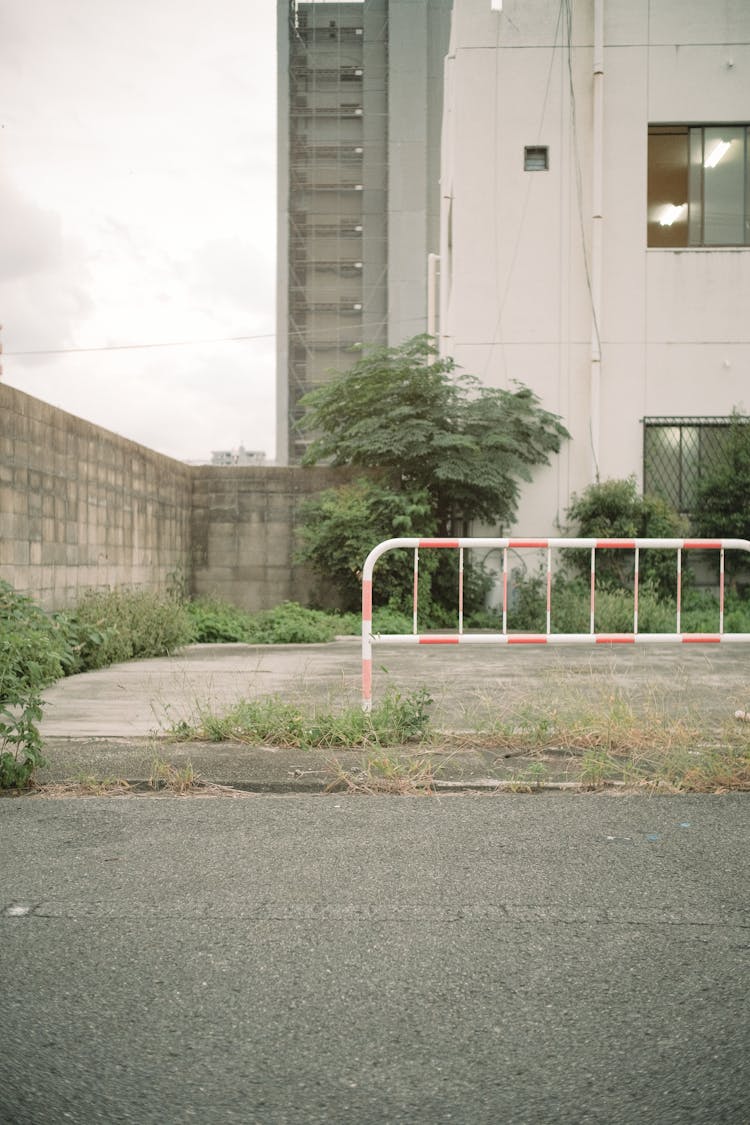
x,y
721,591
593,590
549,590
460,590
679,588
367,644
635,590
505,590
415,596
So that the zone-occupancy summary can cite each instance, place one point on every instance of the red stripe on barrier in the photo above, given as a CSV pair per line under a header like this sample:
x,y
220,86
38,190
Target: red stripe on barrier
x,y
702,639
438,543
621,544
438,640
698,544
616,639
535,639
367,679
367,599
528,542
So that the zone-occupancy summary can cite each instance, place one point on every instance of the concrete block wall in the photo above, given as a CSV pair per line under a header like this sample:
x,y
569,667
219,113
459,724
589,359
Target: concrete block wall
x,y
244,534
82,508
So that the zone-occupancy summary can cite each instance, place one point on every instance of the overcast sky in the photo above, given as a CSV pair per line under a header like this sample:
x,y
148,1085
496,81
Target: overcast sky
x,y
138,206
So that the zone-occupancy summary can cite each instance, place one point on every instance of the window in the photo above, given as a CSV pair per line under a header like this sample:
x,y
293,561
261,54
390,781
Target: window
x,y
536,158
699,185
677,453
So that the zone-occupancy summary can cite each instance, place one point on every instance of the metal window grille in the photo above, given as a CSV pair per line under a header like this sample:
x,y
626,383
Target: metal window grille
x,y
678,453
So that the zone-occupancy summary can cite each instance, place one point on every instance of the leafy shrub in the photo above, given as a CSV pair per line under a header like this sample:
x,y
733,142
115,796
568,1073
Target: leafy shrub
x,y
116,625
614,609
722,507
387,619
614,509
291,623
216,622
342,525
32,654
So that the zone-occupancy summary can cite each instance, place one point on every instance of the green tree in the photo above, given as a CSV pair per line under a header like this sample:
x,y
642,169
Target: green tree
x,y
440,449
406,412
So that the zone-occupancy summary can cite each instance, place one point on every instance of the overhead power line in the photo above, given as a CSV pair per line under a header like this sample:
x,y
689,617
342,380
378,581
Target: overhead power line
x,y
133,347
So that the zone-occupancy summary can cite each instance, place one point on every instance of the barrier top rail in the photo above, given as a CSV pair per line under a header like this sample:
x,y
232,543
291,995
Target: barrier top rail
x,y
548,637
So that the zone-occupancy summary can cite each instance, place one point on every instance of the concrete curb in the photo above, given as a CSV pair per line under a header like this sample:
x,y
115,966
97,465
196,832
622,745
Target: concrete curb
x,y
264,769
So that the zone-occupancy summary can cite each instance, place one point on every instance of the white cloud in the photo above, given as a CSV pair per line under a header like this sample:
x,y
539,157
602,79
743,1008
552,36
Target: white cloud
x,y
140,142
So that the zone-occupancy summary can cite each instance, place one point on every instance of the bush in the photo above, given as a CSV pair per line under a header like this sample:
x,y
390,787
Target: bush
x,y
722,507
614,509
614,609
117,625
291,624
215,622
342,525
33,652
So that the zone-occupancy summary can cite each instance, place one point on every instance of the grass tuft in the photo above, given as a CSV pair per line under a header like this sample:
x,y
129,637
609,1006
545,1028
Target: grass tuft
x,y
271,721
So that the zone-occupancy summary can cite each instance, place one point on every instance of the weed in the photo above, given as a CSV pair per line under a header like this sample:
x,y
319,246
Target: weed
x,y
271,721
166,776
88,785
385,775
530,779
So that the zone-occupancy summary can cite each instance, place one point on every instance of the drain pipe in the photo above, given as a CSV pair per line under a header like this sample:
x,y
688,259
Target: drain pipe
x,y
433,264
596,237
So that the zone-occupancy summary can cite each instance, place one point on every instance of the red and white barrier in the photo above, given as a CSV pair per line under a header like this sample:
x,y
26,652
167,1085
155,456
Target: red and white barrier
x,y
547,638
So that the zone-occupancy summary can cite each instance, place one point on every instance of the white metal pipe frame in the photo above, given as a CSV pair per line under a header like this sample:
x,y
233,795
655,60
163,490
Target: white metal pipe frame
x,y
504,637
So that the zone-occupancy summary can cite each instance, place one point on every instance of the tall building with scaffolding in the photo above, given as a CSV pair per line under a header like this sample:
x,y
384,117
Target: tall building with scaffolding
x,y
359,120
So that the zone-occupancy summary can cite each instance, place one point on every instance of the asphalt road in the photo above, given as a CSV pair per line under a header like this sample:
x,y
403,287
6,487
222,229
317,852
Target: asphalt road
x,y
519,959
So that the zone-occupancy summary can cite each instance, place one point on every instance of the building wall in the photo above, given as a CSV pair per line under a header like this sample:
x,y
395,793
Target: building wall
x,y
519,273
358,187
81,508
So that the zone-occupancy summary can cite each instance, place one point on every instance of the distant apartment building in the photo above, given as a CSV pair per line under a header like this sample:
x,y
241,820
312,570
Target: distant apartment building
x,y
238,456
359,121
596,228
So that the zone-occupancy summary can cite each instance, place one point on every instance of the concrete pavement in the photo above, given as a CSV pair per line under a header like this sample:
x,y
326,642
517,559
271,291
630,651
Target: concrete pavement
x,y
113,722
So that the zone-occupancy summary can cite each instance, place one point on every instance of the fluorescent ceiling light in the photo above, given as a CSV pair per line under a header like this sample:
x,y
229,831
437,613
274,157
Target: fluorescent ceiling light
x,y
671,213
717,153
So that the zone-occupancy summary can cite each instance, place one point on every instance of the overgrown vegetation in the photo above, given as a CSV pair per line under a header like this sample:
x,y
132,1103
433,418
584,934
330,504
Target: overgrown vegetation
x,y
111,626
598,734
216,622
32,654
723,498
398,719
614,509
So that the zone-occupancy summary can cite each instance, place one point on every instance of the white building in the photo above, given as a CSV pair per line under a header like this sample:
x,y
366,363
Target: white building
x,y
596,227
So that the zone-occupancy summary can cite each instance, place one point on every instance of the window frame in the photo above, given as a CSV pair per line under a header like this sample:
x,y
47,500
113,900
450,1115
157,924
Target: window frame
x,y
695,187
704,457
